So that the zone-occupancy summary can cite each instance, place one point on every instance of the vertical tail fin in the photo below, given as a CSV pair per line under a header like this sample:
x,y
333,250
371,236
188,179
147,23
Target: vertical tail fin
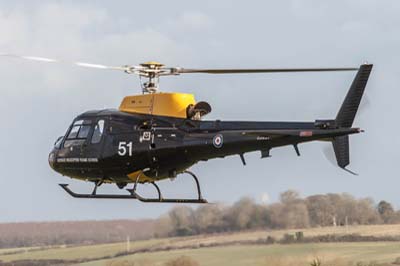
x,y
348,110
341,148
347,113
342,153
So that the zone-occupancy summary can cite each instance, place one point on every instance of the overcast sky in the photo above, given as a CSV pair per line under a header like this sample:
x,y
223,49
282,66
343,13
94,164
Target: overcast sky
x,y
38,100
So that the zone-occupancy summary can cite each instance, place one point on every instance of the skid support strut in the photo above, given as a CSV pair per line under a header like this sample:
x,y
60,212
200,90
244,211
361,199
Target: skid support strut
x,y
96,185
168,200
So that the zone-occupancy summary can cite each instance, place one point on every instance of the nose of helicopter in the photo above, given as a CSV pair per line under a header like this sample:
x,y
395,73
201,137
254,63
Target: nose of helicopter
x,y
52,159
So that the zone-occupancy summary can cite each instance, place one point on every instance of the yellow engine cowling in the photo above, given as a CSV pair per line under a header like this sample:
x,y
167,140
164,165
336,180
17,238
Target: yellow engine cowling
x,y
164,104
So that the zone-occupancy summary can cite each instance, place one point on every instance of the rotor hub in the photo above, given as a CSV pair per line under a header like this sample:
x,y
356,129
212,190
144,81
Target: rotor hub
x,y
152,65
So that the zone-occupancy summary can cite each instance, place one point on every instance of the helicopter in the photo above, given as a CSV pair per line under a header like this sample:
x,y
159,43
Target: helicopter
x,y
157,135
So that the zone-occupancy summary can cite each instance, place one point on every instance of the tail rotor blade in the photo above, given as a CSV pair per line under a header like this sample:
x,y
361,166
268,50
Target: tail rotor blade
x,y
365,103
329,153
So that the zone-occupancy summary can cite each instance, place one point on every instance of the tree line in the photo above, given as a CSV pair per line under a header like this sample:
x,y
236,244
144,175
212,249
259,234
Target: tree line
x,y
292,211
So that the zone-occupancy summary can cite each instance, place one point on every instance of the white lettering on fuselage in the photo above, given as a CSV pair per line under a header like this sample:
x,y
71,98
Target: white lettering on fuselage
x,y
77,160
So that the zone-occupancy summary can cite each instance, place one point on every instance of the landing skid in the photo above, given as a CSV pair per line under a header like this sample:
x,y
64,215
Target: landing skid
x,y
95,196
134,195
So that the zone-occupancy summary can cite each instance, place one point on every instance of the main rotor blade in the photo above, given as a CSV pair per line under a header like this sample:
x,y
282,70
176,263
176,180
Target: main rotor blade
x,y
51,60
261,70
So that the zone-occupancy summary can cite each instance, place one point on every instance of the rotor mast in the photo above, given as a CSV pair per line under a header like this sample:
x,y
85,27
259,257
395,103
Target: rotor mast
x,y
152,73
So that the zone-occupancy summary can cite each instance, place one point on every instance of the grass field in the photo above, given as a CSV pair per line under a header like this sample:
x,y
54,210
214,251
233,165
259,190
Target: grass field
x,y
294,254
92,251
234,254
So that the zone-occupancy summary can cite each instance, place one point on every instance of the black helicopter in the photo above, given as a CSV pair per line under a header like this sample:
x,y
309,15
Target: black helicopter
x,y
158,135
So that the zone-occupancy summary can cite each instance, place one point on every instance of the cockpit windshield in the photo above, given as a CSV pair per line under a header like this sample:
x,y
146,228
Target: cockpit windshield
x,y
58,142
81,130
78,133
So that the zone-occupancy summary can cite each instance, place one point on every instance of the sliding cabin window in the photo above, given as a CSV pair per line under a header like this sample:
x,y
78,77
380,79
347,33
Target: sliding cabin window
x,y
98,132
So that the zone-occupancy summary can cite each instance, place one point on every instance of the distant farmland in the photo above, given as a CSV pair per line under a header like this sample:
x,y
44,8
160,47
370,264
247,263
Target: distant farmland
x,y
14,235
246,248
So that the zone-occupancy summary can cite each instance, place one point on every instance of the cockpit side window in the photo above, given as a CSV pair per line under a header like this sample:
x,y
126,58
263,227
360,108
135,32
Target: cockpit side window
x,y
83,132
74,132
98,132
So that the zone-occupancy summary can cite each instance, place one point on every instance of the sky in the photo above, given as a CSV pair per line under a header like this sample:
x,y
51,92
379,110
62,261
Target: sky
x,y
38,101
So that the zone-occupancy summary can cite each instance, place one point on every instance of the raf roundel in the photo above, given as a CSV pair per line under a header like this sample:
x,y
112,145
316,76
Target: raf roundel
x,y
218,141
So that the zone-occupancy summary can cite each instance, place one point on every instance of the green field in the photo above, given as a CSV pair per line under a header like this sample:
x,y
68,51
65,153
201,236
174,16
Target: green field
x,y
228,253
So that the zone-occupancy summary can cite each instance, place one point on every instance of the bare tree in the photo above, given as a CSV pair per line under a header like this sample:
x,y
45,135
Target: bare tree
x,y
291,212
163,226
386,212
239,215
182,220
208,218
321,211
289,196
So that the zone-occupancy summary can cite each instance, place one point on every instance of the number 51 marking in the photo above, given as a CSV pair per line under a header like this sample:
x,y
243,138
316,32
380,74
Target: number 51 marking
x,y
124,148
